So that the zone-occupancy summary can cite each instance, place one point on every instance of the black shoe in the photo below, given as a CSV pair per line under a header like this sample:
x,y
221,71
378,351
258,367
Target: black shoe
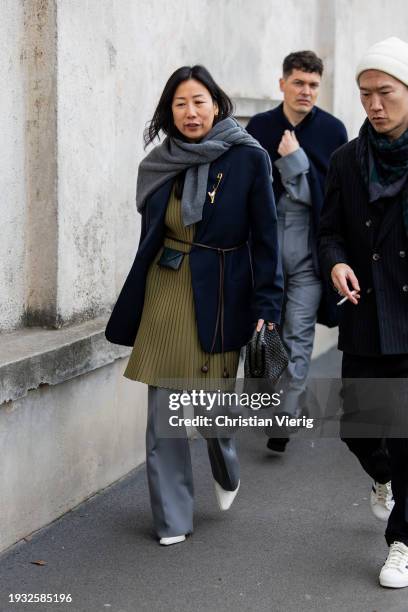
x,y
277,444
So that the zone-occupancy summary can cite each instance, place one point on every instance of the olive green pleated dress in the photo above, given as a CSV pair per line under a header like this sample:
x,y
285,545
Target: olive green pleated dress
x,y
167,352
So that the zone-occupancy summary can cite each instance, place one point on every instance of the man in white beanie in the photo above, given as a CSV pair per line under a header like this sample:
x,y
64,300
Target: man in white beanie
x,y
363,247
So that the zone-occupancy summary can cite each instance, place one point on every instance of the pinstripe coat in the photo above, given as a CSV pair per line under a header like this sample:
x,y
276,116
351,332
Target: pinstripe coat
x,y
371,238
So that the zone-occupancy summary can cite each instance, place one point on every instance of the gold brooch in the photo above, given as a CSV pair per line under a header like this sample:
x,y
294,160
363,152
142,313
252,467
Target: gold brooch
x,y
215,187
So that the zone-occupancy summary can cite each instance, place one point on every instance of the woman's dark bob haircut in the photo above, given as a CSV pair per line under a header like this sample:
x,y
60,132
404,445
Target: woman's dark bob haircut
x,y
163,116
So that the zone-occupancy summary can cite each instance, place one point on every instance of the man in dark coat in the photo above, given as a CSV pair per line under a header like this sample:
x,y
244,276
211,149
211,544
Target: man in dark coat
x,y
363,242
300,139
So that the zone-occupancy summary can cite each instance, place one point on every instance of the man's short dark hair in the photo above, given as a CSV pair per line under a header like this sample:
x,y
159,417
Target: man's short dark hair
x,y
307,61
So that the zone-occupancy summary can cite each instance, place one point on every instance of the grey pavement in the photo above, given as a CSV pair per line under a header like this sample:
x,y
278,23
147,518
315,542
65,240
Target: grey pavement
x,y
299,537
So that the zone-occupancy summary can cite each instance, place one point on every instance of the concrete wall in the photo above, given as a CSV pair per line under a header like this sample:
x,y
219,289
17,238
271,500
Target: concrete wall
x,y
88,113
91,74
109,80
100,71
12,159
359,24
59,445
79,82
40,64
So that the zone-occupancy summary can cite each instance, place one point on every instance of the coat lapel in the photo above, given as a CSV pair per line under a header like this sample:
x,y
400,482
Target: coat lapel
x,y
209,208
157,202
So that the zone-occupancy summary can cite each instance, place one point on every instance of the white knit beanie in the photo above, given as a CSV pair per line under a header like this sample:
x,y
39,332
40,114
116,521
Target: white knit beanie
x,y
390,56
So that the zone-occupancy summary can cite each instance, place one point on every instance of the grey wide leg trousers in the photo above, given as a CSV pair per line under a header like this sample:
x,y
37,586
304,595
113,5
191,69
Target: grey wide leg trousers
x,y
169,471
303,291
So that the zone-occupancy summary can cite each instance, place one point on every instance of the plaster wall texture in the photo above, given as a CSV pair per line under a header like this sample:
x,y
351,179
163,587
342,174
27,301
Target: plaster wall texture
x,y
89,192
62,444
41,152
73,113
75,162
358,25
12,156
112,66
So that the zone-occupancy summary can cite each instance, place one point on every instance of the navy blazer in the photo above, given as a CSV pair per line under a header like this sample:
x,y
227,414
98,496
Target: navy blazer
x,y
375,244
319,134
243,213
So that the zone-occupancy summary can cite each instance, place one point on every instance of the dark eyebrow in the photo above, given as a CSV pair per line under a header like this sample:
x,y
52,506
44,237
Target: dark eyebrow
x,y
382,88
303,82
183,98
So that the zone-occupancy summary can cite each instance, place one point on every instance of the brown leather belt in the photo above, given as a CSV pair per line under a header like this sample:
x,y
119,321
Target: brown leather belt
x,y
219,323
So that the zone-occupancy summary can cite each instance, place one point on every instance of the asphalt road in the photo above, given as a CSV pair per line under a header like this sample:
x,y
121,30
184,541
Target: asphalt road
x,y
299,537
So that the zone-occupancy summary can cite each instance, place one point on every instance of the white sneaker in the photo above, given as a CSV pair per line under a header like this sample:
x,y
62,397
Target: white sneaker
x,y
172,540
225,498
394,573
381,500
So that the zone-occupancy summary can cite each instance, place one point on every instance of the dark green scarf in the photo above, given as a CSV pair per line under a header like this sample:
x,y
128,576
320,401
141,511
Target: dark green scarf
x,y
384,166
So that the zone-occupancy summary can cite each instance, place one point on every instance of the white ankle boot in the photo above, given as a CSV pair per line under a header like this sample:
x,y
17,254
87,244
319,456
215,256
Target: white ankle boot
x,y
225,498
172,540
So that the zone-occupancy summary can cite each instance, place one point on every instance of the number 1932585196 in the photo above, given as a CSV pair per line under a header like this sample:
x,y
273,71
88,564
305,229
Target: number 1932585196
x,y
40,597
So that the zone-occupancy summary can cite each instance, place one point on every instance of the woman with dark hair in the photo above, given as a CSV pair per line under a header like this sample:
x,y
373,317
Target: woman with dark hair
x,y
198,286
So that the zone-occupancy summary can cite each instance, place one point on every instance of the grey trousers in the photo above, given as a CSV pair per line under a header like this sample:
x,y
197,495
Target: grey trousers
x,y
303,292
169,471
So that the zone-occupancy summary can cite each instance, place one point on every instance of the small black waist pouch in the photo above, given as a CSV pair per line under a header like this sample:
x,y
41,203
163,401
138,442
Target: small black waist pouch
x,y
171,258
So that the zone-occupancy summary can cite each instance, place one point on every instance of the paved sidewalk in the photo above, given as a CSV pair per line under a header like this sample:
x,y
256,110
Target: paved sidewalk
x,y
300,537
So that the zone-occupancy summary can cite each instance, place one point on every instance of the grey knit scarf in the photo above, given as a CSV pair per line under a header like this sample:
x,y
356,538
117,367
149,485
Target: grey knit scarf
x,y
174,156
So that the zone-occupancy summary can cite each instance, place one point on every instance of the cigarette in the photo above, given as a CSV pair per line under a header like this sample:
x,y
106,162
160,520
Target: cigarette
x,y
344,299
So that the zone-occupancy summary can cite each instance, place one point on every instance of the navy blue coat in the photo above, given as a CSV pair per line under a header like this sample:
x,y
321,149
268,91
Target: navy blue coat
x,y
243,210
319,134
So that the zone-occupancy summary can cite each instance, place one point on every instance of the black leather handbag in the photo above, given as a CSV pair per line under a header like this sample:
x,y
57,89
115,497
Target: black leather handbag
x,y
265,355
